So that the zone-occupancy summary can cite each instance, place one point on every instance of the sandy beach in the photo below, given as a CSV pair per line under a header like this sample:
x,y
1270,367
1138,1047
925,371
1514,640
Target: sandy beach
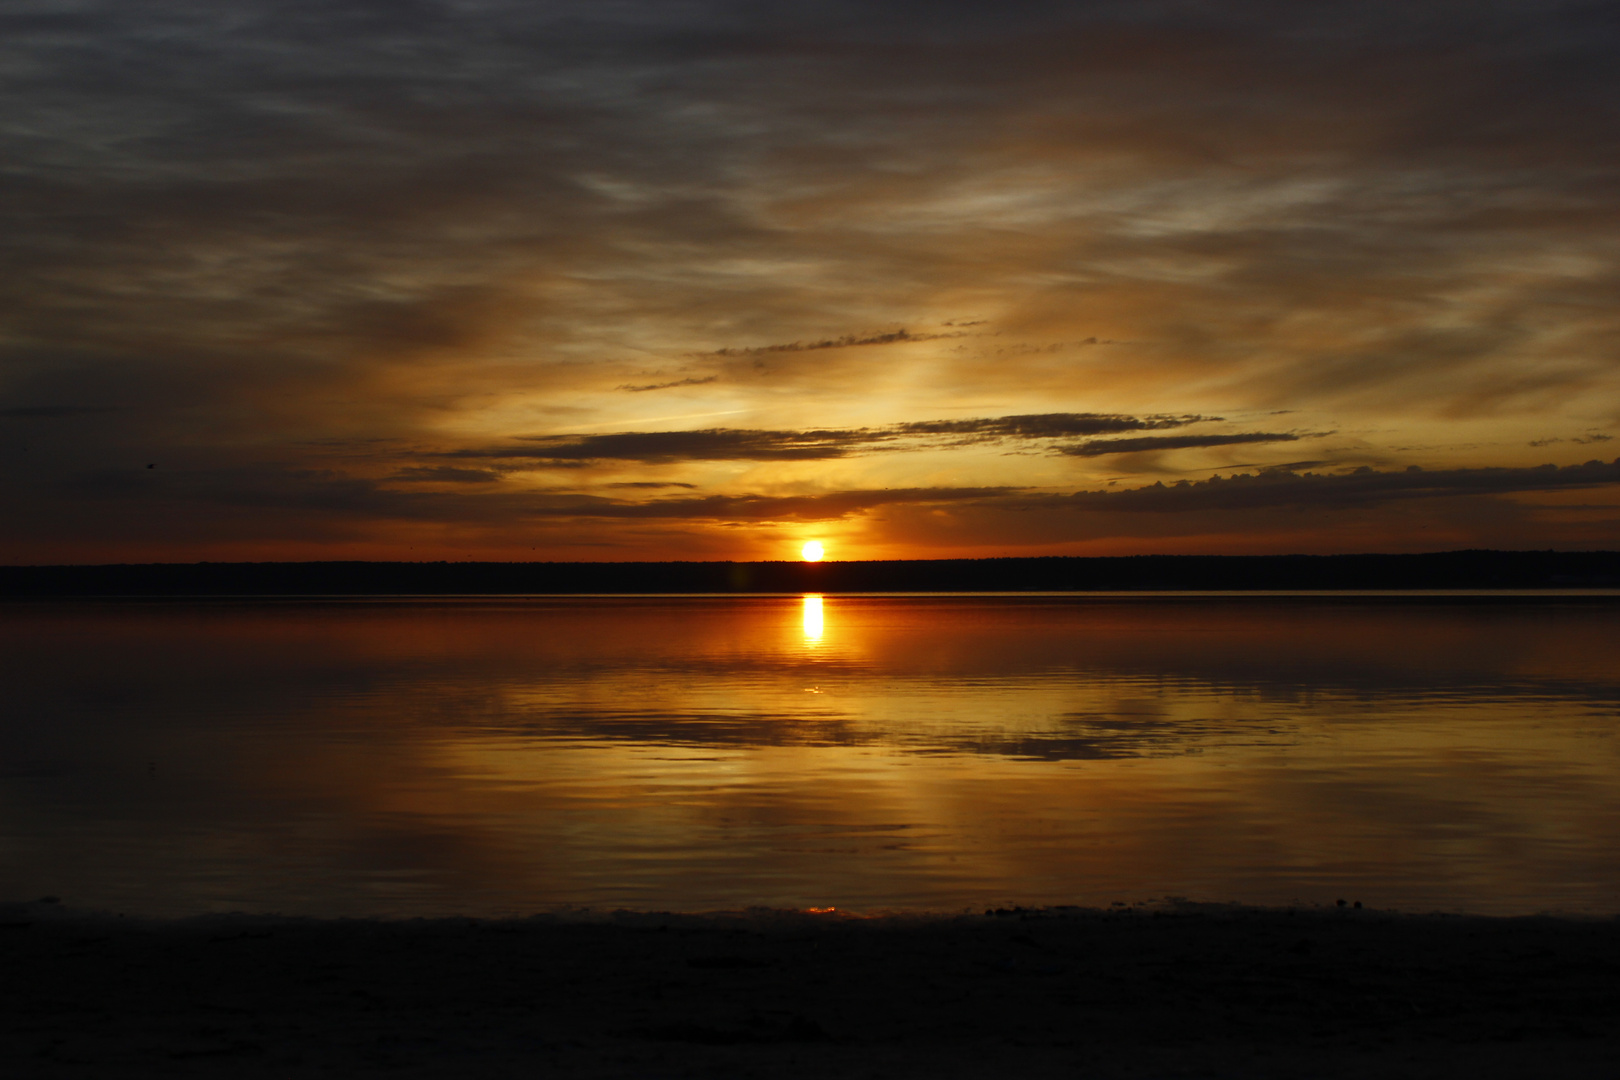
x,y
1133,992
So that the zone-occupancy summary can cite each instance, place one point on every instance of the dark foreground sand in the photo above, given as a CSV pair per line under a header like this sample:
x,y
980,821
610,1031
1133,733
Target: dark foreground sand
x,y
1134,993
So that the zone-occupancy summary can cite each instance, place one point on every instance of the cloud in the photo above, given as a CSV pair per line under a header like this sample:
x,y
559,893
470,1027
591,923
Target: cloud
x,y
445,474
848,341
306,498
664,447
752,508
740,444
1582,440
1266,490
1048,425
1099,447
668,385
1363,487
278,512
354,239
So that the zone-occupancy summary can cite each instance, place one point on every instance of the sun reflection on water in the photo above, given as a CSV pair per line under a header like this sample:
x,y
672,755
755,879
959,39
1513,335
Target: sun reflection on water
x,y
812,620
696,754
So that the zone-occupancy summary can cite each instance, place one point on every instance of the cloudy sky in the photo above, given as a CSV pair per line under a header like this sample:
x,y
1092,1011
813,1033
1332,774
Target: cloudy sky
x,y
615,279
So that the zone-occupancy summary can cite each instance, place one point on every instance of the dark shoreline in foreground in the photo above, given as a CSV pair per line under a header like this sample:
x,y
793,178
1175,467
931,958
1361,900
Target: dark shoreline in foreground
x,y
1144,573
1182,990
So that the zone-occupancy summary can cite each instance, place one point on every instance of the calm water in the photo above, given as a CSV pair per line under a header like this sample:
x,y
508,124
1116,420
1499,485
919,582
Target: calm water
x,y
861,752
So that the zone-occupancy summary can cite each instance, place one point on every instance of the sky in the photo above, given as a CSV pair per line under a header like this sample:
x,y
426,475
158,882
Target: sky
x,y
621,280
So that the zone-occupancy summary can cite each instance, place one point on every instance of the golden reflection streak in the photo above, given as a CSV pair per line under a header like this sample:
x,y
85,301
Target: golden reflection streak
x,y
812,620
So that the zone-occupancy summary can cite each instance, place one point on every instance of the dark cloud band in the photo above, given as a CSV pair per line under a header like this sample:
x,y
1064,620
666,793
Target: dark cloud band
x,y
1362,487
1100,447
848,341
741,444
669,385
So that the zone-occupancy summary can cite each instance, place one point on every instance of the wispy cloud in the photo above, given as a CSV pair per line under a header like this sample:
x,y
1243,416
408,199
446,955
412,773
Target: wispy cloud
x,y
664,447
1364,486
445,474
321,255
741,444
669,385
1048,425
847,341
1099,447
1577,440
818,507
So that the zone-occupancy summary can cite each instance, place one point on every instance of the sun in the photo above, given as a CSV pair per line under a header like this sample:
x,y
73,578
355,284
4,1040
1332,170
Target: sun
x,y
813,551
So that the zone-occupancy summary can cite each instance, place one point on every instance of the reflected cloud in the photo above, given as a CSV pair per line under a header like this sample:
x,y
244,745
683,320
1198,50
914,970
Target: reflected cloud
x,y
475,757
1131,733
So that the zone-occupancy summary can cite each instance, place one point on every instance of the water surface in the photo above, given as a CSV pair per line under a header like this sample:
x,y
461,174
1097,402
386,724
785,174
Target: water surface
x,y
696,753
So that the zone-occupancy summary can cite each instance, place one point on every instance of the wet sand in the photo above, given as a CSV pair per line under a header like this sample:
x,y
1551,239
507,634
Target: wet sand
x,y
1183,991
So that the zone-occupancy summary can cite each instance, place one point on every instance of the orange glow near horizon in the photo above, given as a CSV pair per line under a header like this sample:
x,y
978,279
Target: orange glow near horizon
x,y
1101,331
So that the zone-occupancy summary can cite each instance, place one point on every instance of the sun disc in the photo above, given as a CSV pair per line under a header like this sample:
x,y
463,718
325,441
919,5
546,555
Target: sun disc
x,y
813,551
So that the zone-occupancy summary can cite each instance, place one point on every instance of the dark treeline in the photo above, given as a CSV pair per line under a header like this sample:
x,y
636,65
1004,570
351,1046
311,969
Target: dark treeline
x,y
1439,570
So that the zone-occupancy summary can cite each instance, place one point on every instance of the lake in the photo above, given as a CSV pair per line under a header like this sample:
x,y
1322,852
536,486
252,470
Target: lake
x,y
944,752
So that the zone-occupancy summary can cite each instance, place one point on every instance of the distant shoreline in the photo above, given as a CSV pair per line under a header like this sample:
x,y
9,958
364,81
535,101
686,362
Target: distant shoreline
x,y
1449,570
